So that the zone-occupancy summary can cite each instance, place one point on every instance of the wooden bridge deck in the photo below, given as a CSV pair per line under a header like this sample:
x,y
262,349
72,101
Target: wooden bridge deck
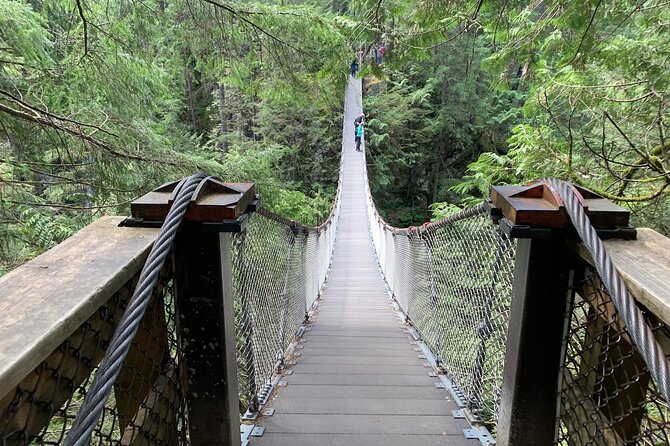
x,y
359,380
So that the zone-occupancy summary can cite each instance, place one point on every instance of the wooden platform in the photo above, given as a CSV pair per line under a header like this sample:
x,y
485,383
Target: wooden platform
x,y
358,380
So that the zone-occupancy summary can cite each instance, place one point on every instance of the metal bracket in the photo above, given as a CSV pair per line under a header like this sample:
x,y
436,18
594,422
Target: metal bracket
x,y
300,331
480,433
536,210
267,389
257,431
470,434
245,433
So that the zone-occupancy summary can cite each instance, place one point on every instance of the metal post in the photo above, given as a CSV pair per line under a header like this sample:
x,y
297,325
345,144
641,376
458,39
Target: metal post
x,y
248,333
203,284
428,247
542,292
204,298
540,295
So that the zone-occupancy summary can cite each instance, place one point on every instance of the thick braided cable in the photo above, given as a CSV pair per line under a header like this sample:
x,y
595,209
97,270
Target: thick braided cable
x,y
639,331
110,367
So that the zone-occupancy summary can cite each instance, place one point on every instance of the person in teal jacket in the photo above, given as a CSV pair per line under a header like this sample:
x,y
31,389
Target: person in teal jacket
x,y
359,136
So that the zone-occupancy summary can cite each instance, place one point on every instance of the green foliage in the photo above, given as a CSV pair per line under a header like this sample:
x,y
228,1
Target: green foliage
x,y
99,105
574,89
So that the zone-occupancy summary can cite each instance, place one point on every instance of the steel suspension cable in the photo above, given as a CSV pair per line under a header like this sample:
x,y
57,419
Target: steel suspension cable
x,y
640,333
110,367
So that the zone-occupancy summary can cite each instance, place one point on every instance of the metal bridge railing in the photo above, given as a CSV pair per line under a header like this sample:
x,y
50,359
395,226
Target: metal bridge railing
x,y
104,360
279,271
506,329
453,281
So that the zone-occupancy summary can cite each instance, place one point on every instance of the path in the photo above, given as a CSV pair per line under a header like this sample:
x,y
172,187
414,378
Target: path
x,y
359,380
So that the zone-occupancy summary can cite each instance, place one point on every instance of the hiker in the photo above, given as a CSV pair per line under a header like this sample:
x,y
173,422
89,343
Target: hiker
x,y
354,67
359,136
358,121
380,54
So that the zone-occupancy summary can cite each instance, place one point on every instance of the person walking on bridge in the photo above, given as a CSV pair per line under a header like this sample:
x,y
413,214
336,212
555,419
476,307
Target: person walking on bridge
x,y
358,121
359,136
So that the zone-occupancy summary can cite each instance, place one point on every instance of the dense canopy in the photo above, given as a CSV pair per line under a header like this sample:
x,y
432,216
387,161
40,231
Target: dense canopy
x,y
101,101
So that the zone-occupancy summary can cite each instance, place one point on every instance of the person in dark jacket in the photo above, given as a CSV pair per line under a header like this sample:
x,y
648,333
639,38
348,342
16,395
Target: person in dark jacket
x,y
354,67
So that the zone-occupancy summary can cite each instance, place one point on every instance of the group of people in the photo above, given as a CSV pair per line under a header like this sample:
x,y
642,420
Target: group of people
x,y
377,56
358,131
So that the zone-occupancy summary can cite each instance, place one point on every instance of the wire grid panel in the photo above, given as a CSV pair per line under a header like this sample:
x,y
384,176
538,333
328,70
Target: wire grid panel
x,y
279,272
454,282
147,404
607,396
473,267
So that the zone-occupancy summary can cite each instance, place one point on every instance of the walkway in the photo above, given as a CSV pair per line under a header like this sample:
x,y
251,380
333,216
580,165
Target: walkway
x,y
359,380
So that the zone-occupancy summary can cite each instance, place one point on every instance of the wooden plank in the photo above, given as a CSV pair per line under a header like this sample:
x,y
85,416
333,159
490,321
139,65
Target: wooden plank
x,y
45,300
644,265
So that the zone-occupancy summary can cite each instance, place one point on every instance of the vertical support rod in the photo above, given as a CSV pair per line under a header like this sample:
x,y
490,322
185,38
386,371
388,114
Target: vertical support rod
x,y
203,284
283,300
485,327
541,293
248,333
428,247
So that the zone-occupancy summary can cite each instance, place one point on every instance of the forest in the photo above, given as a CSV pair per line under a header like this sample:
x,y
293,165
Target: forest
x,y
104,100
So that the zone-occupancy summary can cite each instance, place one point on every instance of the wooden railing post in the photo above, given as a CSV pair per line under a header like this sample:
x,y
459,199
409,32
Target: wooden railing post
x,y
204,303
542,292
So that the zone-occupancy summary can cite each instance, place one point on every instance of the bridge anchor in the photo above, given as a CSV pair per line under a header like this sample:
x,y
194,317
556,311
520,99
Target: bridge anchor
x,y
546,269
204,298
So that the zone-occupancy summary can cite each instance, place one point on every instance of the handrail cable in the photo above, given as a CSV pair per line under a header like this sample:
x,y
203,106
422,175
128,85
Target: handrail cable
x,y
640,333
110,367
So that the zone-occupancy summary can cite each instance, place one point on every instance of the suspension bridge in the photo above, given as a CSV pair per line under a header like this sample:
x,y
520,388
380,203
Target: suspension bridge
x,y
206,319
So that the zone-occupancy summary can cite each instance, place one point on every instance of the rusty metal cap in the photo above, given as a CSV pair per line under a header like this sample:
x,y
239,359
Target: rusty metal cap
x,y
212,201
537,205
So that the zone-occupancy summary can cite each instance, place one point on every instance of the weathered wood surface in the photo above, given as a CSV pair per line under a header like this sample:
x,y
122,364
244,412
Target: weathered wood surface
x,y
644,265
43,301
359,380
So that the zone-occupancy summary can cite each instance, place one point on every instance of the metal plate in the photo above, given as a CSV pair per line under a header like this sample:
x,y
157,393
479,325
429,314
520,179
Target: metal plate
x,y
458,414
470,434
257,431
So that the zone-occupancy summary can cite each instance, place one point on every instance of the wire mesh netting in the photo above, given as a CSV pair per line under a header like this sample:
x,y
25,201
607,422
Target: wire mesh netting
x,y
147,403
607,396
279,270
453,282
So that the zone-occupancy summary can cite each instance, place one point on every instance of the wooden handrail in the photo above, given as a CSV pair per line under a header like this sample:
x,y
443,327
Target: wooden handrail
x,y
45,300
644,266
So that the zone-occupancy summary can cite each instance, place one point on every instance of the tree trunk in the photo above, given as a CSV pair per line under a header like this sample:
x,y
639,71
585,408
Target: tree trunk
x,y
188,83
223,144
